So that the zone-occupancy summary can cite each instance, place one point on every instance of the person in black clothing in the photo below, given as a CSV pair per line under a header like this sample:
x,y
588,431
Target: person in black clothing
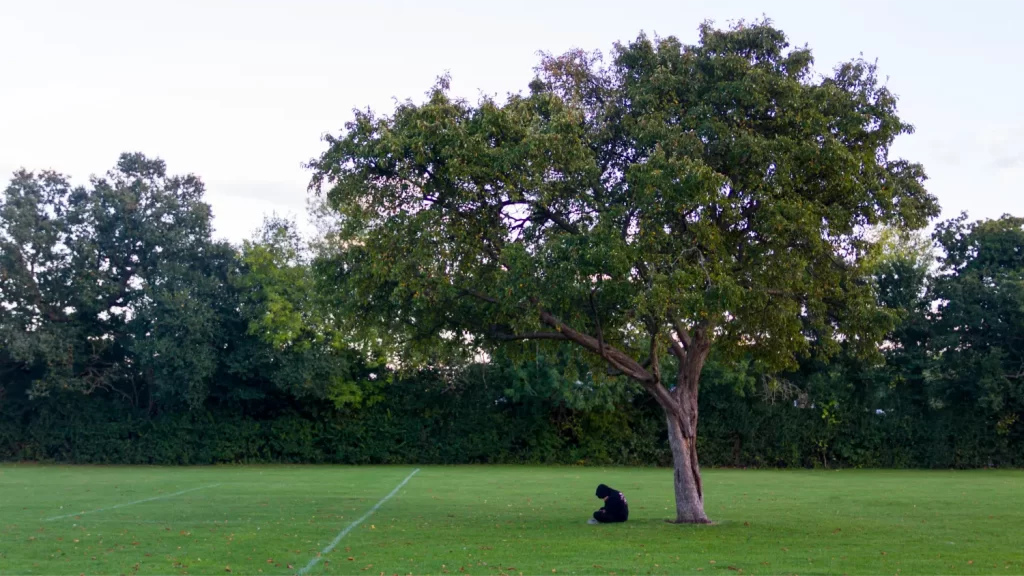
x,y
615,508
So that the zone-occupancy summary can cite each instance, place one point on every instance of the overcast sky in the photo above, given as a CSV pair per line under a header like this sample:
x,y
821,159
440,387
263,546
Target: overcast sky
x,y
240,92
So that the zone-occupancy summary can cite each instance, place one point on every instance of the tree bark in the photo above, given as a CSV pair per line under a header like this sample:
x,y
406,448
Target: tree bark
x,y
688,487
681,416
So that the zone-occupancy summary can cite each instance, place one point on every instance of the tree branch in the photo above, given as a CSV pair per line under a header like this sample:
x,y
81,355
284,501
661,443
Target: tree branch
x,y
676,349
557,219
597,323
618,359
653,357
682,333
480,296
528,336
613,372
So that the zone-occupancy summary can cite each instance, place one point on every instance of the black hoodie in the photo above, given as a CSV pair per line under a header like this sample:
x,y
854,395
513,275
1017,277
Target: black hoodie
x,y
615,505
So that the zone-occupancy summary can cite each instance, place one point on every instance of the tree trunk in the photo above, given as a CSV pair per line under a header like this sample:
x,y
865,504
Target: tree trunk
x,y
681,414
689,490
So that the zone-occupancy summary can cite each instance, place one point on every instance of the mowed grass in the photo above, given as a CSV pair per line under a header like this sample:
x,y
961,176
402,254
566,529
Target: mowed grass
x,y
511,520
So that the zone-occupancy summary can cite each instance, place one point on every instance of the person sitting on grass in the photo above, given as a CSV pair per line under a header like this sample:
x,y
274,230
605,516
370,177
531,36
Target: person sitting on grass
x,y
615,508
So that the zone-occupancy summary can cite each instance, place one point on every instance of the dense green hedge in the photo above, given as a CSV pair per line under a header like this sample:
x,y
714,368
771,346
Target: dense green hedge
x,y
424,420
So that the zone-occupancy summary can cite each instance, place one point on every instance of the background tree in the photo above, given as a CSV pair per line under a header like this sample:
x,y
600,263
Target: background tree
x,y
284,307
109,287
680,198
902,272
978,340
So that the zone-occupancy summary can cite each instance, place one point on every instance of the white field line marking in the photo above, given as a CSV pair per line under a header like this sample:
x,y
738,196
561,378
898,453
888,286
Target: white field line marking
x,y
351,526
133,503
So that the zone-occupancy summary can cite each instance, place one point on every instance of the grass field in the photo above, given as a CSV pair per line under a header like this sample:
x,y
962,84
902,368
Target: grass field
x,y
511,520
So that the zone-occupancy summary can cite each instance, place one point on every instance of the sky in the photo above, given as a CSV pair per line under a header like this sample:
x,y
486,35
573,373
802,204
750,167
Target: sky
x,y
241,92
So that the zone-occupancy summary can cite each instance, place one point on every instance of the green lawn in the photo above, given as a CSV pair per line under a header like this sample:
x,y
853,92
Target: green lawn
x,y
490,520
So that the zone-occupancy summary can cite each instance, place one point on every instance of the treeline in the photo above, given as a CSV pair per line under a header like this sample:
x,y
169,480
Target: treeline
x,y
129,335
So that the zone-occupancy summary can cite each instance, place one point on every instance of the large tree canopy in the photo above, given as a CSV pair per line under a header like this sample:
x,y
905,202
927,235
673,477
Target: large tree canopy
x,y
684,196
112,286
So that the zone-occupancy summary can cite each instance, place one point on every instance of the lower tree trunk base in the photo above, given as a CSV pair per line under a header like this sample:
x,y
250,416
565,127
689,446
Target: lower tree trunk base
x,y
699,521
688,486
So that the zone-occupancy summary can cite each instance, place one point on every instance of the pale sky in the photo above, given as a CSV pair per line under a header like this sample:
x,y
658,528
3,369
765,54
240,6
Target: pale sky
x,y
240,92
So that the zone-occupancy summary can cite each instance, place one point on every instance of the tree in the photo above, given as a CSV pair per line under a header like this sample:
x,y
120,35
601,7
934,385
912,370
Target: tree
x,y
683,197
283,306
978,331
902,274
111,286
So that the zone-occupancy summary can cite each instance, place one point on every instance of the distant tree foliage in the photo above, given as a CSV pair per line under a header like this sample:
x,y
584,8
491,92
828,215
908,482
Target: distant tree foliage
x,y
112,286
978,341
118,288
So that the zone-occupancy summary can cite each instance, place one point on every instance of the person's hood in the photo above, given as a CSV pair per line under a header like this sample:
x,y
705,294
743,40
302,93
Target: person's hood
x,y
604,491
